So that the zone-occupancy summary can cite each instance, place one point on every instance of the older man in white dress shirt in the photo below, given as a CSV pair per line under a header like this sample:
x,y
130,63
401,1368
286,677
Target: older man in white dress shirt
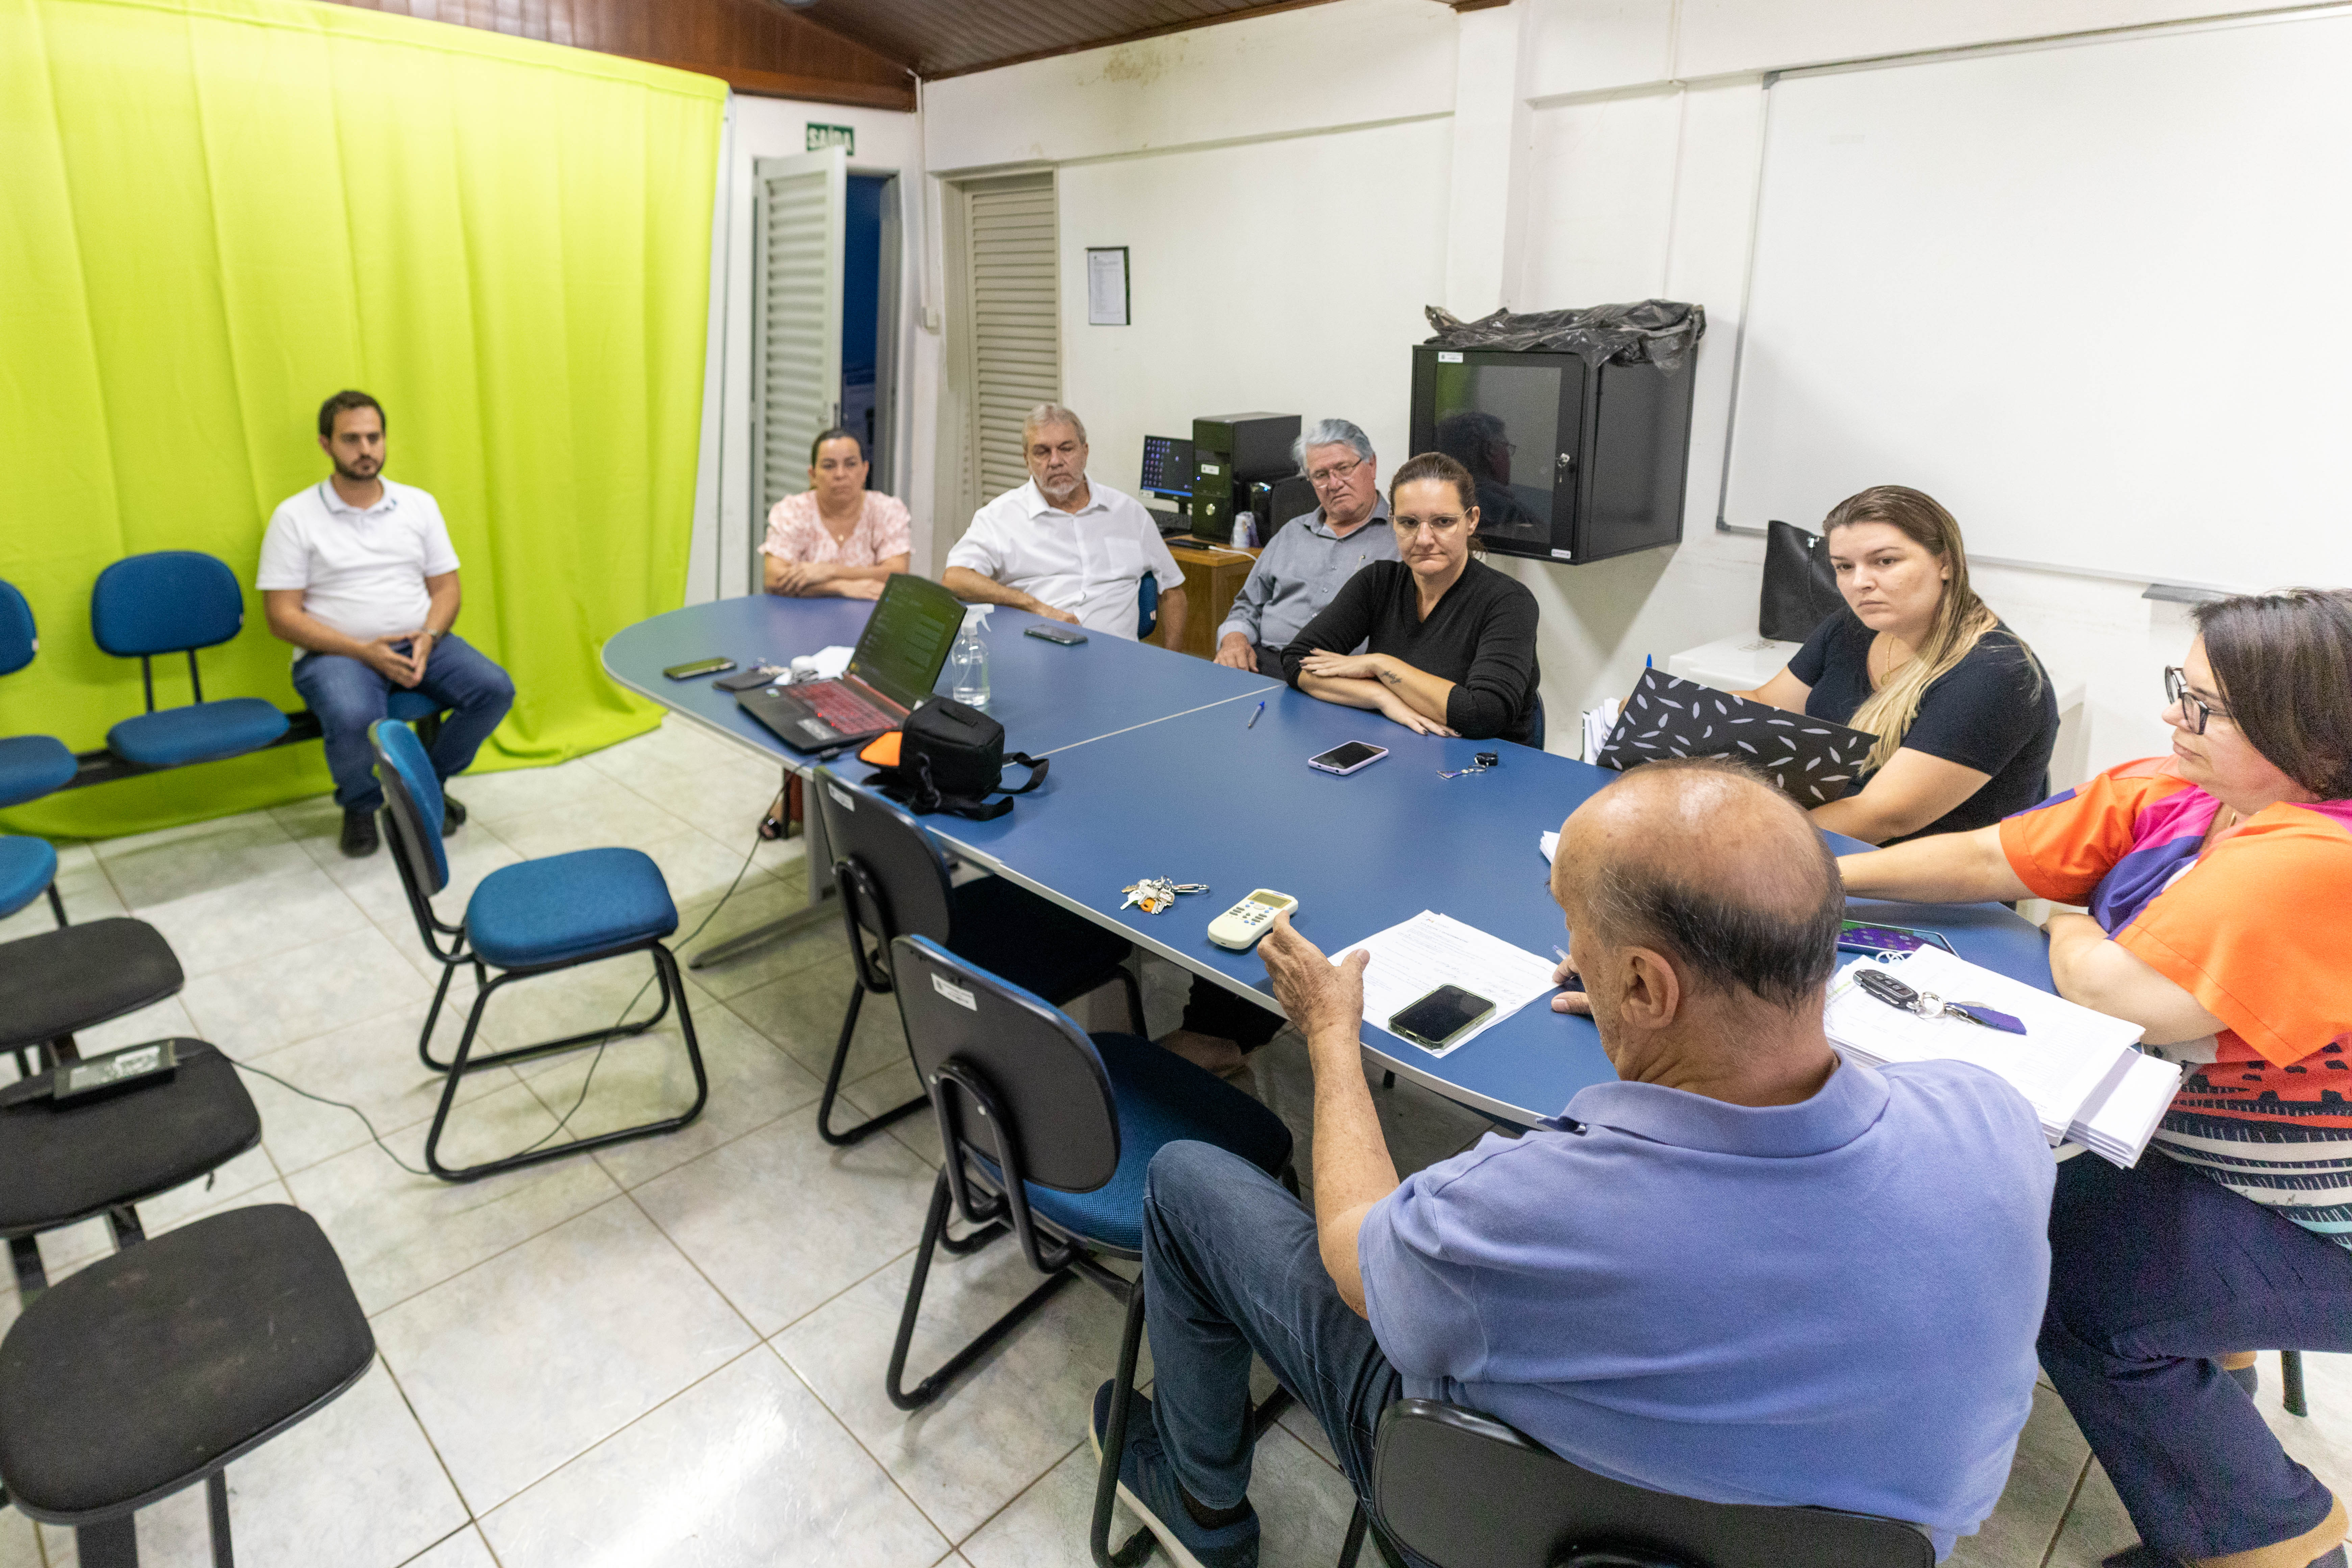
x,y
1065,546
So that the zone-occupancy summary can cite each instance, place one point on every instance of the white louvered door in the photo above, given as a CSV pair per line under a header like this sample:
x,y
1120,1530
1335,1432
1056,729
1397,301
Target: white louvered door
x,y
800,226
1014,323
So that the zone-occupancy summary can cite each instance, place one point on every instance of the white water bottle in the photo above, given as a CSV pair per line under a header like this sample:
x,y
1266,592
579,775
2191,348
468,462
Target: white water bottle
x,y
968,661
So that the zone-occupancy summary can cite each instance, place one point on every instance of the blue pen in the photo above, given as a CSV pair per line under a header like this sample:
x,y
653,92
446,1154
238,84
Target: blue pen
x,y
1252,723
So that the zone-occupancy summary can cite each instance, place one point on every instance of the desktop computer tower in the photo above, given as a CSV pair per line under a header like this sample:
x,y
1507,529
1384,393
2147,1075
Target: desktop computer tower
x,y
1228,451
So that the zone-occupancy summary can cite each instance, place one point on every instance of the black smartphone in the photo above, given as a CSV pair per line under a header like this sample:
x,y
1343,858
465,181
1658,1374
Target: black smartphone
x,y
1860,936
1438,1017
699,667
1353,757
758,675
1054,631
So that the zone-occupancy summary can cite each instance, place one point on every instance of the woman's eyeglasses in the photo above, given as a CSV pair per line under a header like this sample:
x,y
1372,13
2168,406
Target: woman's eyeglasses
x,y
2193,708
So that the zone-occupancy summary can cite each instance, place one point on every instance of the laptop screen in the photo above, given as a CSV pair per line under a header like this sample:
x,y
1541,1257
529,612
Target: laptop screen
x,y
905,644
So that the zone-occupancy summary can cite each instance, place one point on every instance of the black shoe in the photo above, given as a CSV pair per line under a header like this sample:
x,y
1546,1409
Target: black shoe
x,y
453,815
2148,1557
2248,1377
359,834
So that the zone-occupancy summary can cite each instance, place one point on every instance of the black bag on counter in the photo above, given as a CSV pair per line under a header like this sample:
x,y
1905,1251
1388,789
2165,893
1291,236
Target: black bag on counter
x,y
1801,587
951,758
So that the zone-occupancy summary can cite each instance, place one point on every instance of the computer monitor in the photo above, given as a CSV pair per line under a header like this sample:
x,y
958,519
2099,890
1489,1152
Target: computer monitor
x,y
1168,466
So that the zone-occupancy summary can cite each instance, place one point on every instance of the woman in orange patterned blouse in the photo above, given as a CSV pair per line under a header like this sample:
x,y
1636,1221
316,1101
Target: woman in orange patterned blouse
x,y
837,537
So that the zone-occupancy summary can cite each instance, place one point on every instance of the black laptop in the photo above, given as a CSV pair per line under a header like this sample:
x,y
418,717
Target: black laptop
x,y
1811,761
897,662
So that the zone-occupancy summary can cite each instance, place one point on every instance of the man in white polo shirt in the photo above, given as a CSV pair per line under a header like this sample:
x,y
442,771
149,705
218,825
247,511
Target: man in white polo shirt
x,y
358,575
1064,546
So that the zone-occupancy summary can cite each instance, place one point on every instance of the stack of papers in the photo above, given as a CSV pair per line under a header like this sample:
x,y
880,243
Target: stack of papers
x,y
1414,958
2075,1066
1598,724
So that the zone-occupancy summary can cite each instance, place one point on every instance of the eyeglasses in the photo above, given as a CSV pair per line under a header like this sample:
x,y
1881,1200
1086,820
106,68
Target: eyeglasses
x,y
1336,474
1441,523
2192,707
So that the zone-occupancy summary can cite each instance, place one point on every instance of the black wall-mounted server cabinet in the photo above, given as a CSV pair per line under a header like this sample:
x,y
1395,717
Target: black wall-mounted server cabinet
x,y
1575,462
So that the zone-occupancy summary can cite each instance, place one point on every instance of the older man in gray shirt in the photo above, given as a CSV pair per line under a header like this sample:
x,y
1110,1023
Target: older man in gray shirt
x,y
1304,563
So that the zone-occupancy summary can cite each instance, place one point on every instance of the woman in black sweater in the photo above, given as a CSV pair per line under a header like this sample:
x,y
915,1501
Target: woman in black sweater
x,y
1449,643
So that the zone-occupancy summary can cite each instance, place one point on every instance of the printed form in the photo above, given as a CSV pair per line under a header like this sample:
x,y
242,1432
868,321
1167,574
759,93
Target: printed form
x,y
1414,958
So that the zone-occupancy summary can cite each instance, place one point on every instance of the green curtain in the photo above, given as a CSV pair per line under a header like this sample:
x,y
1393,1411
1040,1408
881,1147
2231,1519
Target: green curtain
x,y
214,214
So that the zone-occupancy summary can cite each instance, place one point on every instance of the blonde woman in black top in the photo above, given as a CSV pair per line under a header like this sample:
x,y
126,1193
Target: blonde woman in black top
x,y
1964,718
1449,642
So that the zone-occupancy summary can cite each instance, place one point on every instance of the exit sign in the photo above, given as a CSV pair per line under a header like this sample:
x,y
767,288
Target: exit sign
x,y
844,137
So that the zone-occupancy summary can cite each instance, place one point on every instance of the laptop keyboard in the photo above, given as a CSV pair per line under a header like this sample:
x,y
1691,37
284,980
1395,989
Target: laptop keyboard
x,y
846,711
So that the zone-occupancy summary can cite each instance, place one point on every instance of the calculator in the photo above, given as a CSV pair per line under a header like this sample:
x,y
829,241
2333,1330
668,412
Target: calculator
x,y
1241,926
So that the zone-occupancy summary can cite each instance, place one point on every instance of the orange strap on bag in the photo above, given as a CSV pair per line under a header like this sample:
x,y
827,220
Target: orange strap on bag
x,y
882,751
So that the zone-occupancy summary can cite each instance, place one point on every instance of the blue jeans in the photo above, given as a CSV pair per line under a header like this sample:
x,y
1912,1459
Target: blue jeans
x,y
2153,1272
348,696
1231,1266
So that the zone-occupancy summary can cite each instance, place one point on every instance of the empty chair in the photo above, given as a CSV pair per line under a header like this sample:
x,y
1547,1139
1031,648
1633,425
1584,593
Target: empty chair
x,y
150,1370
531,918
60,982
177,600
30,765
893,882
1463,1490
1147,604
28,868
1046,1132
62,1164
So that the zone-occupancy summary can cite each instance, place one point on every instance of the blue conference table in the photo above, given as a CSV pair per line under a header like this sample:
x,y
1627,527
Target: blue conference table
x,y
1158,772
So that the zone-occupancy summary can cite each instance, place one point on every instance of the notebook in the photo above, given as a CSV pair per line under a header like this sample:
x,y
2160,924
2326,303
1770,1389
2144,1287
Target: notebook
x,y
897,662
2077,1068
1811,761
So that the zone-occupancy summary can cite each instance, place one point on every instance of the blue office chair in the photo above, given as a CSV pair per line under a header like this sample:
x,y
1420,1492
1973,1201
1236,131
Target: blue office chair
x,y
414,709
177,600
1047,1135
893,882
1147,604
529,919
30,767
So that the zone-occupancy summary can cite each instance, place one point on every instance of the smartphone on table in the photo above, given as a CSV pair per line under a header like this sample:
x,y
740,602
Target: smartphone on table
x,y
1879,941
1438,1017
718,665
1054,631
1353,757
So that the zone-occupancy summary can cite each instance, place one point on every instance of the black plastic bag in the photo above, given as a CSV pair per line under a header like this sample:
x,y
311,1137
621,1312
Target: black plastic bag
x,y
1648,332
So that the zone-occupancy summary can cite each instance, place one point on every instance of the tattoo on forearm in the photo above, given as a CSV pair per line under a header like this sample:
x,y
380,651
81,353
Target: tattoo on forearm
x,y
1392,678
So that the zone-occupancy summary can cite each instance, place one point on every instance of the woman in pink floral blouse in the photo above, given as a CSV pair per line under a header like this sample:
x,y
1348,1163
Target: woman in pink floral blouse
x,y
837,537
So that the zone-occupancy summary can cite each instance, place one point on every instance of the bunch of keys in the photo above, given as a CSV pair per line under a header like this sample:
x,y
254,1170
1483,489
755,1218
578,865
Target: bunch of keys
x,y
1156,894
1478,765
1927,1004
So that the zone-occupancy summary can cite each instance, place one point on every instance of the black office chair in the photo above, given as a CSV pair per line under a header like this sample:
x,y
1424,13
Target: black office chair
x,y
1046,1133
1458,1489
148,1372
78,977
893,882
62,1164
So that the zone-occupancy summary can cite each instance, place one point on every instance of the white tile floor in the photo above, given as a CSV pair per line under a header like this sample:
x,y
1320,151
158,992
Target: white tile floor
x,y
671,1352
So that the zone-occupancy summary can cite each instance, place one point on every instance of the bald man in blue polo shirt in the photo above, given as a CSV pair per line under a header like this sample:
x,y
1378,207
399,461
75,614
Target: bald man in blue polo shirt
x,y
1748,1272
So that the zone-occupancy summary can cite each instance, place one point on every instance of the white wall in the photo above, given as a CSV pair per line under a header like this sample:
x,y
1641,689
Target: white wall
x,y
1294,187
724,530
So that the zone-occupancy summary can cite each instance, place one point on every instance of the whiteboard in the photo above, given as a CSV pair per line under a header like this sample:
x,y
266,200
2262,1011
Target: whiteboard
x,y
2096,299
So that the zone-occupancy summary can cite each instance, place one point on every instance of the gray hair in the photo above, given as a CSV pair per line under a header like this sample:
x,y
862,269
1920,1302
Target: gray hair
x,y
1046,414
1331,433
